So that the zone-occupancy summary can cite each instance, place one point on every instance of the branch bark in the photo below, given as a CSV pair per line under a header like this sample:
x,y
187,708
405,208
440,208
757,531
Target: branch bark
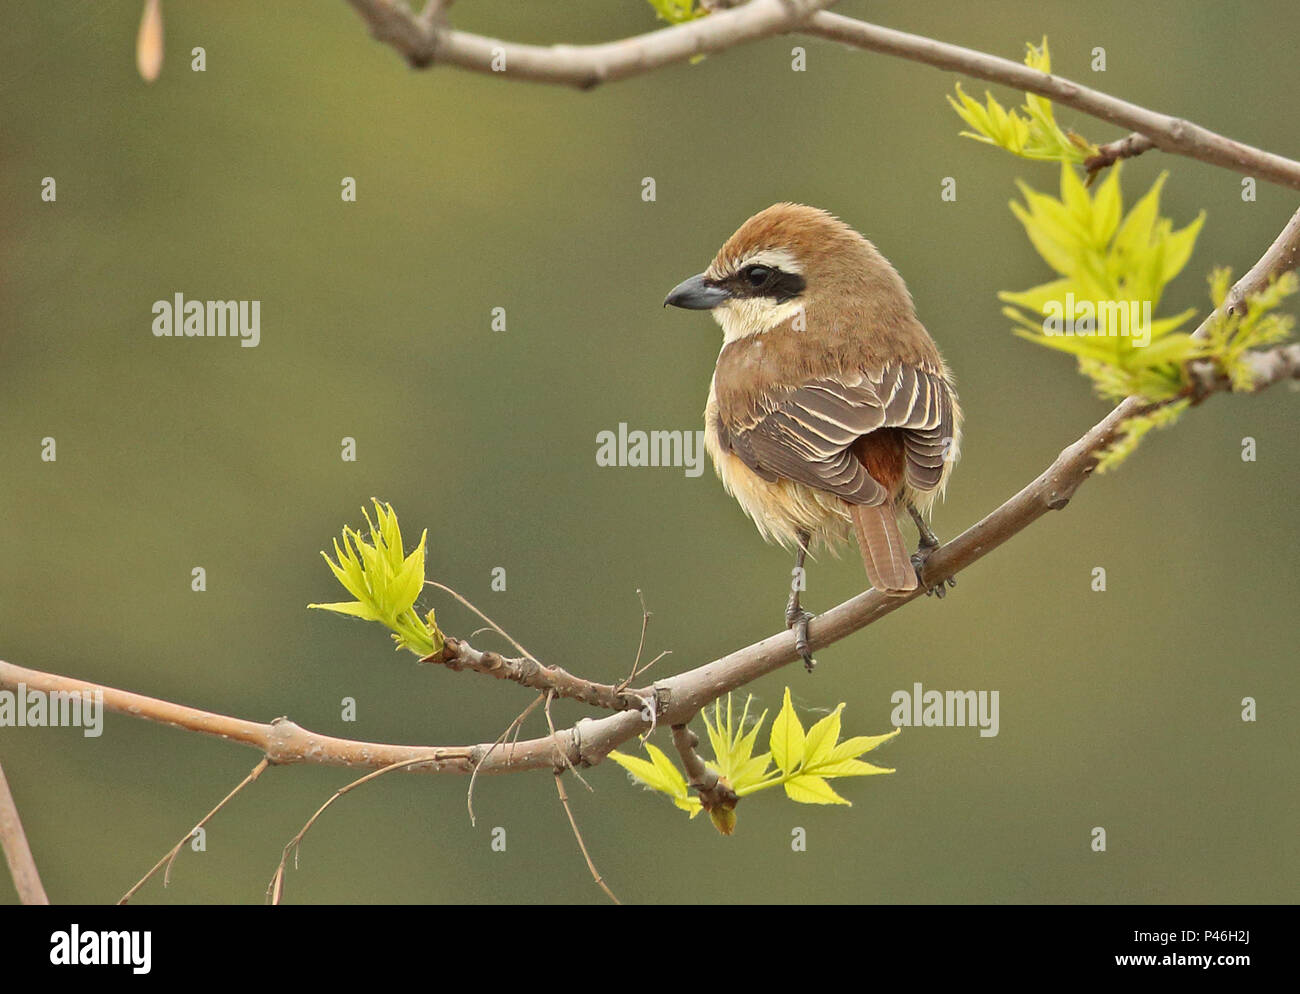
x,y
1128,147
458,655
1280,257
713,790
18,854
584,66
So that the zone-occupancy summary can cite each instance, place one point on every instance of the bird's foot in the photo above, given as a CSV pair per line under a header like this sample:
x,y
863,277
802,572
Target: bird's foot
x,y
929,542
919,559
797,618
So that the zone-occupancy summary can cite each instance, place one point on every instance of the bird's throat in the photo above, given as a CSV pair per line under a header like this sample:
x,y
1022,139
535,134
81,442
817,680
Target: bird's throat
x,y
748,317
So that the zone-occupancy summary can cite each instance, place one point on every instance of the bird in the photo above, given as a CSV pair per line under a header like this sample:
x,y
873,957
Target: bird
x,y
831,408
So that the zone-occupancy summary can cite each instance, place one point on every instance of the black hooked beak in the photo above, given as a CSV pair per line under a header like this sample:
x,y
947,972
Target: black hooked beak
x,y
697,294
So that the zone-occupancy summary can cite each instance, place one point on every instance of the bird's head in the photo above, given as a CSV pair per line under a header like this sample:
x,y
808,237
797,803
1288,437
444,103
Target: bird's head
x,y
781,261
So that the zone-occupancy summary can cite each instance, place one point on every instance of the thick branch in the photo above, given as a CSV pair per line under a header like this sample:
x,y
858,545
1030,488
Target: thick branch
x,y
425,42
680,697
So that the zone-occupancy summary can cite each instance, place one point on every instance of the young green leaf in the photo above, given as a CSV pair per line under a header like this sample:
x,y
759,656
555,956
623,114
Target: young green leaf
x,y
661,775
786,741
820,741
808,789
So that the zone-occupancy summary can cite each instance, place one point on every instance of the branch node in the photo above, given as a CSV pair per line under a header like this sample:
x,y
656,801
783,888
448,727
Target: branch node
x,y
714,791
1179,129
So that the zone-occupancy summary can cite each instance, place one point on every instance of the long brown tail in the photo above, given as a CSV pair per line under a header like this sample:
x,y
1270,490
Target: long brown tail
x,y
889,568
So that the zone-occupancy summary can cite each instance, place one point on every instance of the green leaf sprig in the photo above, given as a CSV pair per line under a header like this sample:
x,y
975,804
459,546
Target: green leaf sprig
x,y
1033,134
1117,266
1257,325
384,581
1227,341
803,762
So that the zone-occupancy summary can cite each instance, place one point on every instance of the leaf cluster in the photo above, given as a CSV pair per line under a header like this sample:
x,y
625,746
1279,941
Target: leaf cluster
x,y
1114,267
1112,270
1228,340
1031,131
384,582
801,761
1229,337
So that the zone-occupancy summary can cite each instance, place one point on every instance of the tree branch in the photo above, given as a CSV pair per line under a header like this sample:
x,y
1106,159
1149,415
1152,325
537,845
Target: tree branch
x,y
679,698
1281,257
584,66
713,790
582,845
1129,147
18,854
165,864
1169,134
457,655
425,42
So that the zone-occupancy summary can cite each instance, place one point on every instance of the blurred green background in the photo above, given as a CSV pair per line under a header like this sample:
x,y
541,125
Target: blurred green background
x,y
1118,709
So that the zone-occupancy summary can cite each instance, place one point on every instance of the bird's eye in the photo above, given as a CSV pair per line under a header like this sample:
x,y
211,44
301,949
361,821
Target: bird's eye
x,y
757,275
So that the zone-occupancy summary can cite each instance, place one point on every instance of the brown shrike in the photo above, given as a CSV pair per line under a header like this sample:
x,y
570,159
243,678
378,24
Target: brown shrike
x,y
830,407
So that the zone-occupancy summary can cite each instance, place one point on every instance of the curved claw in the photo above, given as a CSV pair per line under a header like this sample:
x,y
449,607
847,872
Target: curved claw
x,y
931,590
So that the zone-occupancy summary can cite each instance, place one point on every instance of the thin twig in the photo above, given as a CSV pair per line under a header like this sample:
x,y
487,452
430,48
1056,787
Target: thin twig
x,y
1169,134
560,752
646,668
573,823
501,631
166,862
640,646
1107,155
513,726
275,889
713,790
637,668
456,654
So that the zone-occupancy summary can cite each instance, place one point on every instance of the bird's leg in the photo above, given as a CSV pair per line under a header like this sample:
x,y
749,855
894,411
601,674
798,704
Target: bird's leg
x,y
795,616
928,543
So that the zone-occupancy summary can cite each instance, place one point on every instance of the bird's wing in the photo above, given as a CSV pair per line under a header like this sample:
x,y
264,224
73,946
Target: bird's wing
x,y
807,437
